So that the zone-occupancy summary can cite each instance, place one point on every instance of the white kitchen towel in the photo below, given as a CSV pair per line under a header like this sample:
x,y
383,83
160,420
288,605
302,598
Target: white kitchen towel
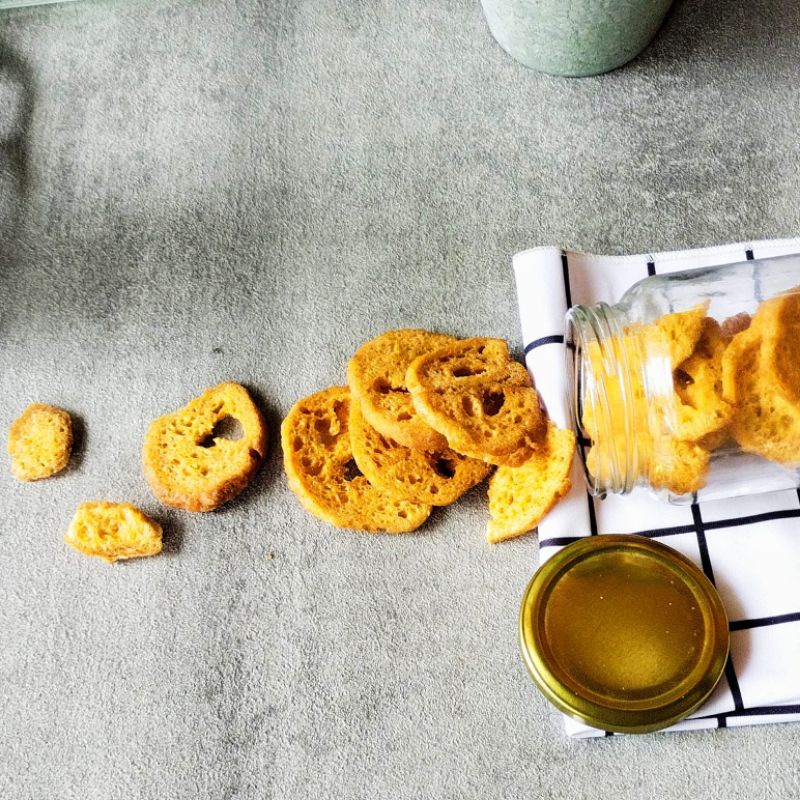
x,y
749,547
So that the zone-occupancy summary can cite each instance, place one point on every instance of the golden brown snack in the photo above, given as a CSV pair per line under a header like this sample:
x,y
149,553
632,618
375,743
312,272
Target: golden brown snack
x,y
113,531
318,458
376,375
519,497
189,464
40,442
682,330
778,319
763,422
702,412
479,399
434,478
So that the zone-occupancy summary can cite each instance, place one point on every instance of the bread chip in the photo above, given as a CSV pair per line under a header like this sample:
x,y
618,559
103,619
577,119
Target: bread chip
x,y
40,442
519,497
376,375
479,399
318,459
436,478
677,466
701,410
682,330
764,422
188,461
113,531
778,319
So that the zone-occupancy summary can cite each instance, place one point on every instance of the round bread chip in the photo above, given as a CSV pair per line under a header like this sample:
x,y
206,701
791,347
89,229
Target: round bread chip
x,y
702,413
764,421
519,497
113,531
434,478
188,459
318,459
778,319
376,375
40,442
479,399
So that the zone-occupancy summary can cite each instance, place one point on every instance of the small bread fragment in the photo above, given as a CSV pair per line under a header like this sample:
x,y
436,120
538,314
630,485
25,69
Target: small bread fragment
x,y
435,478
40,442
318,459
113,531
187,460
519,497
479,399
376,375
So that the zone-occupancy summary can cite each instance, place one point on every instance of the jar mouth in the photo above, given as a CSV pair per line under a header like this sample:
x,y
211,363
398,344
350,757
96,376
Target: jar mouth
x,y
602,362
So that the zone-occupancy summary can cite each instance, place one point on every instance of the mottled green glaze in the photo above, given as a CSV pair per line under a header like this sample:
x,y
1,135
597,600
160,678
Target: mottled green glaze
x,y
574,37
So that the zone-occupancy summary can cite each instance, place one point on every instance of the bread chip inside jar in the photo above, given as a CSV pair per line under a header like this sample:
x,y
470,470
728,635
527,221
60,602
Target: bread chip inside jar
x,y
689,386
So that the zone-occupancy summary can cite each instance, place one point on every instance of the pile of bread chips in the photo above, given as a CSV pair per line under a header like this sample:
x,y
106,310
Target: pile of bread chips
x,y
729,384
196,459
423,419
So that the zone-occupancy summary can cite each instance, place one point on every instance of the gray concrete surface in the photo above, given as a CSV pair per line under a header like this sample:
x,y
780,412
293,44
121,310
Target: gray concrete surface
x,y
197,190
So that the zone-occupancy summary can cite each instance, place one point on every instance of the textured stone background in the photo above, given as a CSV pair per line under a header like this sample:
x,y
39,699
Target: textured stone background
x,y
197,190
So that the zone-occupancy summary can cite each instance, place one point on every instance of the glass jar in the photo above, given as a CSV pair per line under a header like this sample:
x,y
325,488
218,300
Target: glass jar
x,y
690,385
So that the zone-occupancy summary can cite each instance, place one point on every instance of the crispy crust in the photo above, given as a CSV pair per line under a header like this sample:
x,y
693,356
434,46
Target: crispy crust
x,y
188,466
376,377
40,442
318,456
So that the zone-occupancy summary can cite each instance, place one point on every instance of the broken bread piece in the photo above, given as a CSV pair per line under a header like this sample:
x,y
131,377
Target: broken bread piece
x,y
481,400
193,461
40,442
376,375
436,478
318,459
519,497
113,531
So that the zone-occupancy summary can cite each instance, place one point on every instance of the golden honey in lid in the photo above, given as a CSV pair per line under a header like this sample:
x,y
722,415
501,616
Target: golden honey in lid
x,y
623,633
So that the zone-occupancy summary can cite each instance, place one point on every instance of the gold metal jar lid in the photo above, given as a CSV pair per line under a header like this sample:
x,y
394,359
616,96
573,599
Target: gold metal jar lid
x,y
623,633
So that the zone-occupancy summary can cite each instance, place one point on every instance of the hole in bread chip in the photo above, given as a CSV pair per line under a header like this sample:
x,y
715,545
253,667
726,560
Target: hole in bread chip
x,y
492,403
683,378
227,428
351,470
328,430
467,372
403,416
444,467
469,405
382,386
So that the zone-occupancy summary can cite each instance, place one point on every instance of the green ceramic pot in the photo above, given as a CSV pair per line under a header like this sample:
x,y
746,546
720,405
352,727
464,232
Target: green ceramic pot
x,y
574,37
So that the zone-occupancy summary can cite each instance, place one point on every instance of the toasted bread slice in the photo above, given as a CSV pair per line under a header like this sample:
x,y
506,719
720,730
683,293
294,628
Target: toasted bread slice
x,y
113,531
376,375
778,319
188,461
318,458
434,478
519,497
40,442
479,399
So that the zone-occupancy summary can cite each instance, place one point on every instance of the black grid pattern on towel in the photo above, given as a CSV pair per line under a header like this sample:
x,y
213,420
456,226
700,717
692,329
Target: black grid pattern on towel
x,y
699,527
